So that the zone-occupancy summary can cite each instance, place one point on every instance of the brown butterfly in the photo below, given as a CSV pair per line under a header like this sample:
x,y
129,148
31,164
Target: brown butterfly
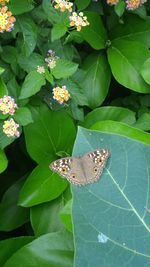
x,y
82,170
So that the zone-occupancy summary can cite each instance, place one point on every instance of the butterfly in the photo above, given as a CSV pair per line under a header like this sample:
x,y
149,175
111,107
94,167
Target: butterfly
x,y
82,170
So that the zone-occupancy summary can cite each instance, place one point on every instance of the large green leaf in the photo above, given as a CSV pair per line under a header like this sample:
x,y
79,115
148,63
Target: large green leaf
x,y
51,132
95,33
140,30
12,216
41,186
109,113
111,220
96,80
58,31
50,250
126,61
32,84
9,246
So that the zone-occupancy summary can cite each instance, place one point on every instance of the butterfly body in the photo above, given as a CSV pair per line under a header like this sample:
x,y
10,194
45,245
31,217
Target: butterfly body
x,y
84,169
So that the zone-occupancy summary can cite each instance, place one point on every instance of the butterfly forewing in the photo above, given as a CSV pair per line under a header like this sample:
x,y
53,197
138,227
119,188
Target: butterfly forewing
x,y
82,170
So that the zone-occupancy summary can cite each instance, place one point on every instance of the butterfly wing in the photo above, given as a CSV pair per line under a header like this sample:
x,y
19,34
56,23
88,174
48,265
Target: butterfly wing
x,y
94,163
69,168
62,166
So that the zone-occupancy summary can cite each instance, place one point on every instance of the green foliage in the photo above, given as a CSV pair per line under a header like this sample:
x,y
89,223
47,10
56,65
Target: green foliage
x,y
105,68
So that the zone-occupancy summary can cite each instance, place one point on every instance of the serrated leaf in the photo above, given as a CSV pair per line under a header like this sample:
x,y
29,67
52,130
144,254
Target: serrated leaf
x,y
105,213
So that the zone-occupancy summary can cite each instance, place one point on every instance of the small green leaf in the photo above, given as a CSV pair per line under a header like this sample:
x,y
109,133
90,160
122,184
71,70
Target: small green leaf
x,y
12,216
49,77
18,7
58,31
54,249
23,116
126,61
3,161
120,8
32,84
109,113
95,33
64,68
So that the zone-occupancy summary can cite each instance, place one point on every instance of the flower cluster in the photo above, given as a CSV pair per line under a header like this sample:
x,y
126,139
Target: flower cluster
x,y
3,2
134,4
51,59
10,128
6,20
130,4
40,69
112,2
61,94
78,20
7,105
63,5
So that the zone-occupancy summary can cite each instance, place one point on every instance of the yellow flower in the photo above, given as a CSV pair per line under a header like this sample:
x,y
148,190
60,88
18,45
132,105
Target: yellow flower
x,y
3,2
6,20
78,20
61,94
63,5
10,128
112,2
